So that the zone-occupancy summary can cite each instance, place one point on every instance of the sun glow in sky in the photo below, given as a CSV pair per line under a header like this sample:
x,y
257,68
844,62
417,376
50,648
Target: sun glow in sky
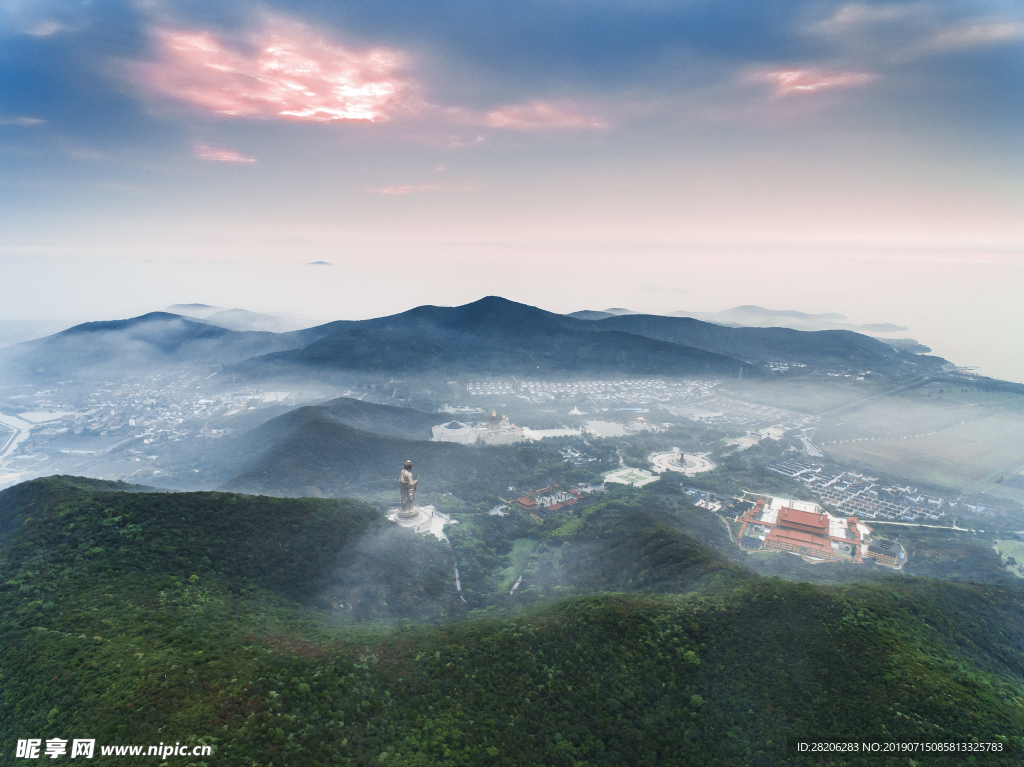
x,y
289,74
864,158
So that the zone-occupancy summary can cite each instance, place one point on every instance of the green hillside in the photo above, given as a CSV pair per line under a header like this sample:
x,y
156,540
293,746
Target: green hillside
x,y
627,540
308,452
138,618
382,419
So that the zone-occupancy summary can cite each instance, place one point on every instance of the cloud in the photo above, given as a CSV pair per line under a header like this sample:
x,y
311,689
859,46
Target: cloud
x,y
214,154
402,189
902,32
288,73
542,116
85,154
966,36
21,122
859,14
795,81
45,29
405,189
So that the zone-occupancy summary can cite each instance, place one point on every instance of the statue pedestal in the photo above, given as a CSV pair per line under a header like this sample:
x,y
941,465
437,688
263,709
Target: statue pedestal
x,y
425,519
418,515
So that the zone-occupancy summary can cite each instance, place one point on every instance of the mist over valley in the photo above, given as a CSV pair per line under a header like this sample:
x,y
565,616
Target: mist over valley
x,y
210,508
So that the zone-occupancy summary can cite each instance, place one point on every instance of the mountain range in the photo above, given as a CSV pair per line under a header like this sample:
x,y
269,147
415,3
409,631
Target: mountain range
x,y
492,335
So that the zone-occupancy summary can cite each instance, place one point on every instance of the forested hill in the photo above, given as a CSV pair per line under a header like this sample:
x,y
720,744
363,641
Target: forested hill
x,y
155,340
492,334
385,420
813,348
296,548
20,502
498,335
139,618
309,452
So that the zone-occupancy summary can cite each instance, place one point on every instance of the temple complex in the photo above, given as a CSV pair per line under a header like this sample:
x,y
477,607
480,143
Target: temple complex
x,y
801,527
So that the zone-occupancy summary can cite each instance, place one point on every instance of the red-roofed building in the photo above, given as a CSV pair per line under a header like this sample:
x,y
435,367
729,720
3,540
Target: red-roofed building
x,y
802,543
754,513
804,521
552,498
808,531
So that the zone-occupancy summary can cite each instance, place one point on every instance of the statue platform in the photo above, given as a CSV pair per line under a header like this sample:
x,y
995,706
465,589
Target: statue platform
x,y
427,519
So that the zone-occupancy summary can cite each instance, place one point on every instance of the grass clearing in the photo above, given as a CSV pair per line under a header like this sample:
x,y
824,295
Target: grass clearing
x,y
523,552
1011,550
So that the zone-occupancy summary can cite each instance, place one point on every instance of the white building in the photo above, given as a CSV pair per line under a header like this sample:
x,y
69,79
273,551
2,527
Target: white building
x,y
494,431
500,431
454,431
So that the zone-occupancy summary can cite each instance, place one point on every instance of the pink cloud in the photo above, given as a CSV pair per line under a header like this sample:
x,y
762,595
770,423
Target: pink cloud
x,y
404,189
410,188
542,116
288,73
790,81
213,154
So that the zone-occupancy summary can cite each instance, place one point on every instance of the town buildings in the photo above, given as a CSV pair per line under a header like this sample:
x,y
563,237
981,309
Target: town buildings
x,y
858,494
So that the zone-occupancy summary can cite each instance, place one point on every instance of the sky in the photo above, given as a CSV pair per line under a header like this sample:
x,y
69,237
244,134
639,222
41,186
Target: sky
x,y
861,158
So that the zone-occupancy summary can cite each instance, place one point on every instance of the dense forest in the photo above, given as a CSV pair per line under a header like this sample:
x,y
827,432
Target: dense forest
x,y
136,618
